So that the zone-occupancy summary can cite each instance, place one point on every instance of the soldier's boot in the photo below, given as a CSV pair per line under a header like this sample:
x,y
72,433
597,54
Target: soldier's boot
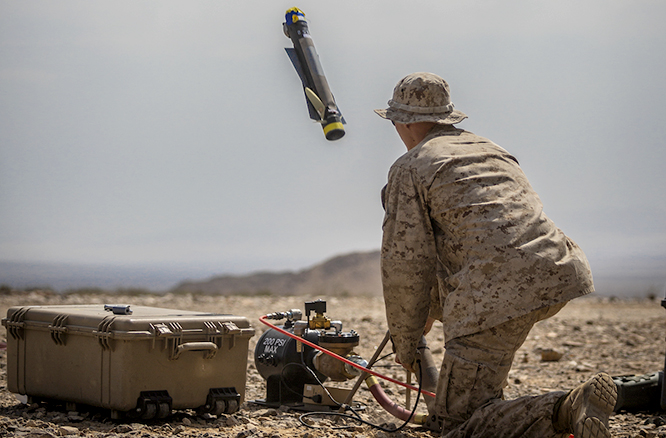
x,y
584,411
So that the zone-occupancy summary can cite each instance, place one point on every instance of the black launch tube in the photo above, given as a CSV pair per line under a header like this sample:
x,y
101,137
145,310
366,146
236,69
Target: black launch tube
x,y
296,28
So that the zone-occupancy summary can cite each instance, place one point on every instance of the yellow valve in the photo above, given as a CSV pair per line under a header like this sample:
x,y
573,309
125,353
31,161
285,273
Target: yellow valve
x,y
320,322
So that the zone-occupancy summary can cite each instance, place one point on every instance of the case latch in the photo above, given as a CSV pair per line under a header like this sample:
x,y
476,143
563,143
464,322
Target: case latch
x,y
15,324
160,330
103,332
174,339
59,329
230,328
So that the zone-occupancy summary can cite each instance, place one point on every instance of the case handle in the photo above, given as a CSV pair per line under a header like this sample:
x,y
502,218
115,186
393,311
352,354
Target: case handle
x,y
210,347
118,309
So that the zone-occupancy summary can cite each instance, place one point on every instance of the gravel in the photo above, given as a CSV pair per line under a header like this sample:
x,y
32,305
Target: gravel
x,y
592,334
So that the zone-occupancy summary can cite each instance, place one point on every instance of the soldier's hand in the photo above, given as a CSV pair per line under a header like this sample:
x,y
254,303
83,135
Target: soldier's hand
x,y
407,367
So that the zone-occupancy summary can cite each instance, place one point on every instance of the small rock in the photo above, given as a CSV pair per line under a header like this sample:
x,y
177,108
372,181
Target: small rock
x,y
390,426
178,429
39,434
74,416
68,430
186,421
550,355
307,420
585,367
573,344
658,421
232,421
246,433
270,413
123,428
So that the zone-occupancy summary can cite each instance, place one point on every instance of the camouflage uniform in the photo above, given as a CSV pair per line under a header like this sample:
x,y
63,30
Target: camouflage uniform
x,y
465,240
463,222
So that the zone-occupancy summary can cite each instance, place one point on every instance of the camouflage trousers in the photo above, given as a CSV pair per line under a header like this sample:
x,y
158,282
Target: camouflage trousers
x,y
473,373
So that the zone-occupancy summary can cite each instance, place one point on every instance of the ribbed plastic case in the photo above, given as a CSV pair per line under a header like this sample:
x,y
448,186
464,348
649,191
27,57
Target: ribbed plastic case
x,y
136,361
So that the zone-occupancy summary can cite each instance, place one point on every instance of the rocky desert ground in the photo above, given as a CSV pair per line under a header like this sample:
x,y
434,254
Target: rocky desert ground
x,y
592,334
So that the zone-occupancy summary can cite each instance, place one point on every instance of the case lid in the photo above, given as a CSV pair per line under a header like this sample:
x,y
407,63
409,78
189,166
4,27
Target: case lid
x,y
120,321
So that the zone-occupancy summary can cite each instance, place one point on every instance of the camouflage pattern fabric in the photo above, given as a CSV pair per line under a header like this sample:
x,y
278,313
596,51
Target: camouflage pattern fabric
x,y
474,371
422,97
524,417
465,239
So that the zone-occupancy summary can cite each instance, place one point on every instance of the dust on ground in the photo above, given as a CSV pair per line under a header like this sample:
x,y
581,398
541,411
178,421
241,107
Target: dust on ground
x,y
592,334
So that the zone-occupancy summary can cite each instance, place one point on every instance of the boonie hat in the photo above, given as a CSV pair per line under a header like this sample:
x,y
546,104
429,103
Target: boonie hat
x,y
422,97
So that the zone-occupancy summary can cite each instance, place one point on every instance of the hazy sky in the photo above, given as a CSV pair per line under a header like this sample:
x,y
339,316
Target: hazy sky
x,y
175,132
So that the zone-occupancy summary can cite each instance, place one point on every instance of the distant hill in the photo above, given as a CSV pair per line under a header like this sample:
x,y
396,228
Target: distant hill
x,y
350,274
359,274
354,274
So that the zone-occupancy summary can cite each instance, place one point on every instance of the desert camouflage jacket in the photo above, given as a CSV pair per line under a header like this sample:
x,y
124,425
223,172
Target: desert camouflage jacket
x,y
465,240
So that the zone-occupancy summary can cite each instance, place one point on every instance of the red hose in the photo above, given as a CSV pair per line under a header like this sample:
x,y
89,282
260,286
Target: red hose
x,y
345,360
390,406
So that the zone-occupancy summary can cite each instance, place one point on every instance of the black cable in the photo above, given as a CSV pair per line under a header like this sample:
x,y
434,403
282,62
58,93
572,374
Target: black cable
x,y
384,429
284,381
356,416
314,375
340,405
318,381
384,357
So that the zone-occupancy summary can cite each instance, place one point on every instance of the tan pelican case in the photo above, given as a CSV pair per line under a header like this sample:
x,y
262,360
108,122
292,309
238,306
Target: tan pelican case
x,y
136,361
